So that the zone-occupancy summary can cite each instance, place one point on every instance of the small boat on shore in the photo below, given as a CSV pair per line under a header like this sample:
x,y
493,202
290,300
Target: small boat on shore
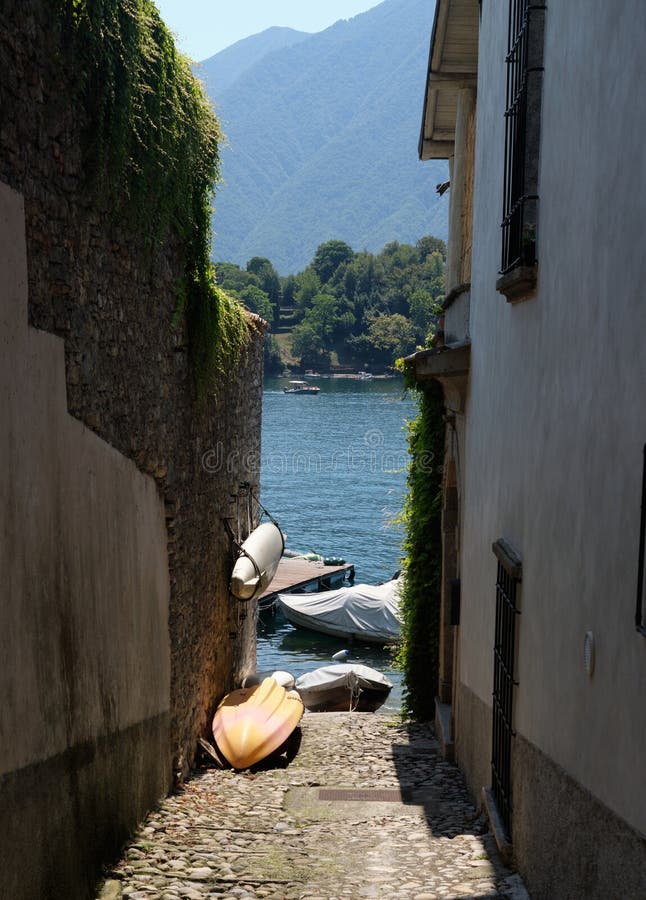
x,y
364,612
313,556
347,687
302,387
254,722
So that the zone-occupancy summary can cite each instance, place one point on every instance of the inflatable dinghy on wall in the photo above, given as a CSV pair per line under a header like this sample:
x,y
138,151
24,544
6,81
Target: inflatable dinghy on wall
x,y
256,566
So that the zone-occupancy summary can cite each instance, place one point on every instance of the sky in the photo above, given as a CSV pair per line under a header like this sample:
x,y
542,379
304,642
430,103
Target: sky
x,y
203,27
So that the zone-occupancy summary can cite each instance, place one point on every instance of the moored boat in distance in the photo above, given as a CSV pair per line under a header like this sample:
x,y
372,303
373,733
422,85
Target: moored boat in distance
x,y
364,612
301,387
347,687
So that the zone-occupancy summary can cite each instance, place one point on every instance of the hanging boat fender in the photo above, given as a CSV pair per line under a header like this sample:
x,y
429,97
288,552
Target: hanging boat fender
x,y
257,563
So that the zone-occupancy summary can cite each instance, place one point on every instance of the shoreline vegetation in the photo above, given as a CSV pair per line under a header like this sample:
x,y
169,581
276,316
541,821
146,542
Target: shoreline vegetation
x,y
346,312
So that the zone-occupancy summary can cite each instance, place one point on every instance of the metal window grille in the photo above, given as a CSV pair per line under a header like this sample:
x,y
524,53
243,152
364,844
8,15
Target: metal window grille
x,y
507,582
640,613
522,123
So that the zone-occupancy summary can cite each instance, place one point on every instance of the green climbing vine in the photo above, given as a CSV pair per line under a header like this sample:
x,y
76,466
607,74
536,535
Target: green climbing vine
x,y
418,655
218,328
151,154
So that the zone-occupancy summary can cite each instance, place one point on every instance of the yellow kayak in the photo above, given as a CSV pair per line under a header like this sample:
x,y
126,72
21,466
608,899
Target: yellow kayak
x,y
253,722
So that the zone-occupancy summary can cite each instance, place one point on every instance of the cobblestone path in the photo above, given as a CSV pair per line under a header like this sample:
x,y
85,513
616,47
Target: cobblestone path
x,y
407,830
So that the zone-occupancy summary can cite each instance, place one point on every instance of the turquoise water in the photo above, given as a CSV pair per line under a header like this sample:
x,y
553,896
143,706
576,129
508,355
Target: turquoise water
x,y
334,475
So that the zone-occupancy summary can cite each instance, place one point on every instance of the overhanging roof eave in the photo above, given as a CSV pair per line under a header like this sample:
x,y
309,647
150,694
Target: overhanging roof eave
x,y
430,149
444,77
428,77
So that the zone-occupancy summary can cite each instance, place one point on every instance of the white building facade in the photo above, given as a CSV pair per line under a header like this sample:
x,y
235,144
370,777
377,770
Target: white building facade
x,y
543,672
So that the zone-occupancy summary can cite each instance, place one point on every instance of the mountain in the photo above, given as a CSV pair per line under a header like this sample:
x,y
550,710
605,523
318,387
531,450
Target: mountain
x,y
220,71
322,143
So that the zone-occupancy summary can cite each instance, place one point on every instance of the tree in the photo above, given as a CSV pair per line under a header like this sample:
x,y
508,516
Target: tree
x,y
308,286
368,308
306,342
427,245
399,256
432,275
232,278
267,276
423,310
258,302
329,257
365,273
273,361
393,336
330,317
289,288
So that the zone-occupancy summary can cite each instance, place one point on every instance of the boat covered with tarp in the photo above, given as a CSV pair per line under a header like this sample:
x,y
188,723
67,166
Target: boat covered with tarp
x,y
348,687
363,612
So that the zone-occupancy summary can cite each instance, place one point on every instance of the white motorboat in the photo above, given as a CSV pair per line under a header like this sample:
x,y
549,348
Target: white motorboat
x,y
348,687
364,612
302,387
256,566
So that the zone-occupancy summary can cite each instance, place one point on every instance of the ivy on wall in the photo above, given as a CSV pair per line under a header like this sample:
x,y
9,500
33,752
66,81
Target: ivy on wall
x,y
151,155
418,655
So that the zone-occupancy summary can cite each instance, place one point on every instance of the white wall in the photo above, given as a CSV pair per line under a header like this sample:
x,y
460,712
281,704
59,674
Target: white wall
x,y
557,411
84,612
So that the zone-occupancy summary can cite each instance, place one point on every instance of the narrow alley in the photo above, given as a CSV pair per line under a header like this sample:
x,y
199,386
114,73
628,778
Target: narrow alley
x,y
367,808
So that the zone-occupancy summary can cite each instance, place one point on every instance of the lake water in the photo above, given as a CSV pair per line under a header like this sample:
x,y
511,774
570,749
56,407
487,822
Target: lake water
x,y
334,476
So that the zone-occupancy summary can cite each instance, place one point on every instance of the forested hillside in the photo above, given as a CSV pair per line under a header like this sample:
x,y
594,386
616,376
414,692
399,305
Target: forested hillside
x,y
221,70
344,309
322,143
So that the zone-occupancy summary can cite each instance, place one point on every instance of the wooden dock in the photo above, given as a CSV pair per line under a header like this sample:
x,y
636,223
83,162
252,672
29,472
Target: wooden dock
x,y
299,574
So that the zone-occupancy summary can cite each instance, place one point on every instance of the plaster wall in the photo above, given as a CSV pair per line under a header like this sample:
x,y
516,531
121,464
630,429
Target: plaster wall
x,y
456,319
556,421
84,636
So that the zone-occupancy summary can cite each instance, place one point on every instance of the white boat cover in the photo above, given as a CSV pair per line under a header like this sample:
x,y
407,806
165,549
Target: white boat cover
x,y
350,675
365,611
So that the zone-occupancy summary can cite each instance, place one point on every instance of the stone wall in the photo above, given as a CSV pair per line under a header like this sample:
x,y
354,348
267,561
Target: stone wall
x,y
128,376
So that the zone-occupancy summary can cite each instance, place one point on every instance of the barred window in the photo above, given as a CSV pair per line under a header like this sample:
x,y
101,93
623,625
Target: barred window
x,y
522,133
640,613
508,581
